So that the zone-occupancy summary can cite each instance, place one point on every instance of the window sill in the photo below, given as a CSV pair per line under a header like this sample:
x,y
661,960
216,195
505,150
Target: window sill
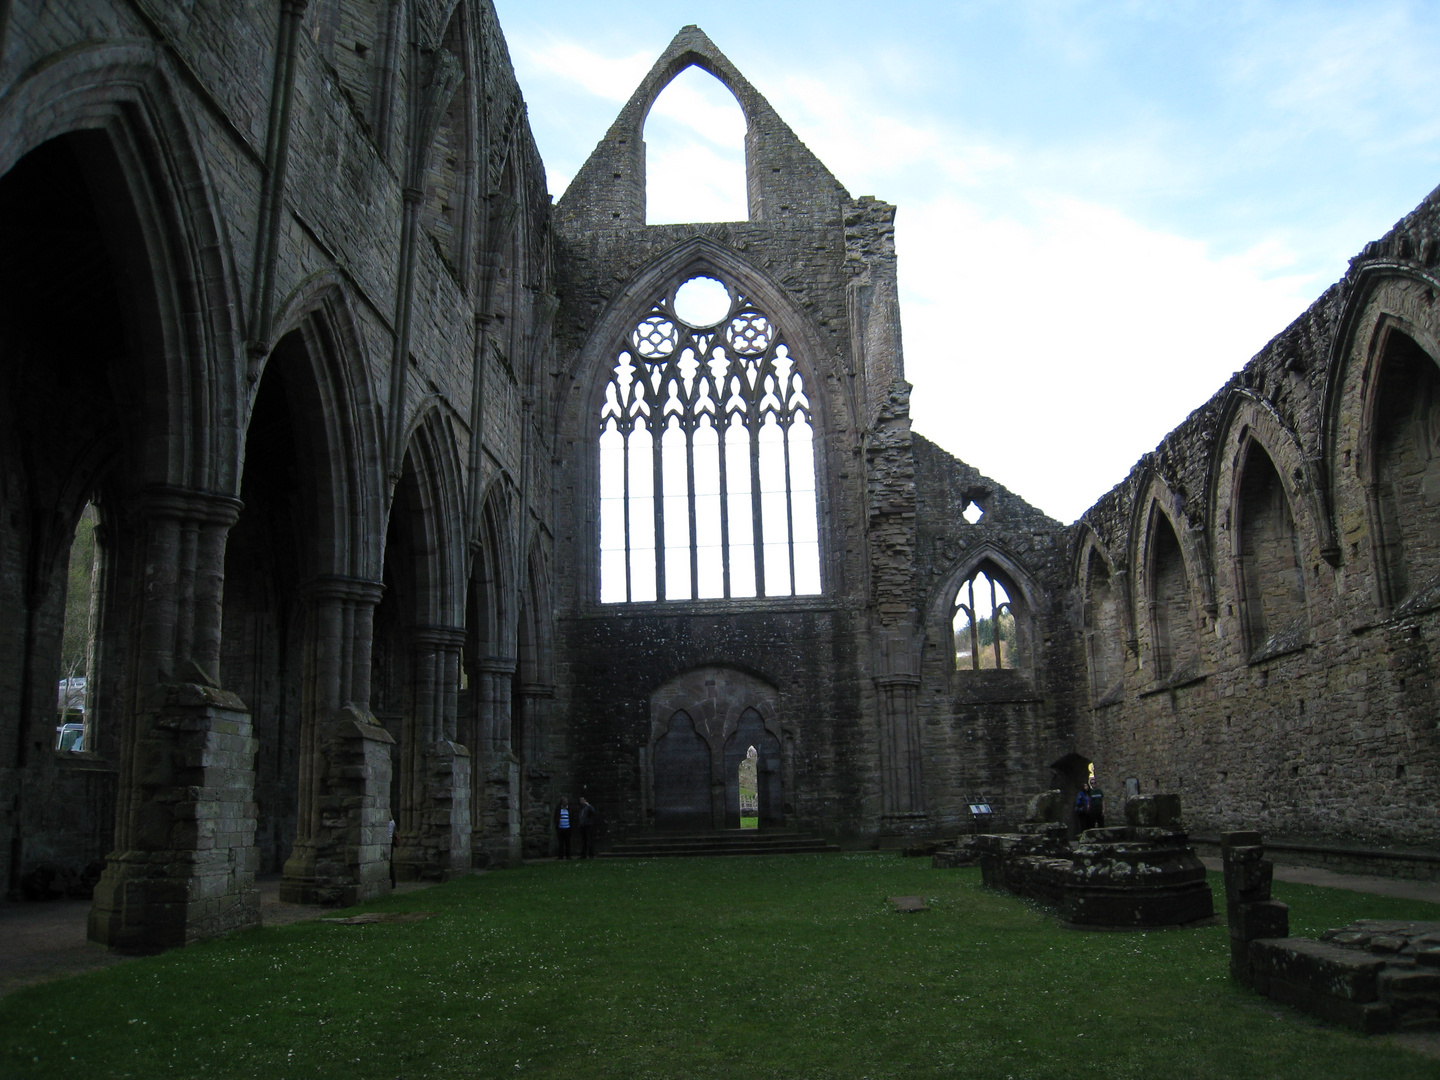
x,y
747,605
991,686
82,761
1114,696
1282,644
1418,603
1188,675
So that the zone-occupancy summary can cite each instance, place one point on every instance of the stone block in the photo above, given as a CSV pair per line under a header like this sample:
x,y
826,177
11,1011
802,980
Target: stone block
x,y
1329,970
1151,810
1262,919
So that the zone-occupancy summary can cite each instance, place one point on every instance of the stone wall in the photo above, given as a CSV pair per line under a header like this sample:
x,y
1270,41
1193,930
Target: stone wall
x,y
1301,500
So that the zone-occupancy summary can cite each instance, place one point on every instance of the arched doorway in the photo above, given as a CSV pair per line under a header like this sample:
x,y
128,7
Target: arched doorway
x,y
750,734
682,777
704,723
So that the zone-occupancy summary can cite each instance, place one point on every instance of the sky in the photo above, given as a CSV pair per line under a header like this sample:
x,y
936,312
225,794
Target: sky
x,y
1105,209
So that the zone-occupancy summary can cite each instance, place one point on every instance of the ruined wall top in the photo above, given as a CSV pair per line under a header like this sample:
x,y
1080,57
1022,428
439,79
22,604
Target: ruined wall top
x,y
784,180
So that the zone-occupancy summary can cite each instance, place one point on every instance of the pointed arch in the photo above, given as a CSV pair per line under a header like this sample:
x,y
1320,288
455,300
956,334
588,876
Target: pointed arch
x,y
957,596
1387,325
807,485
1102,617
319,359
427,515
1170,597
183,274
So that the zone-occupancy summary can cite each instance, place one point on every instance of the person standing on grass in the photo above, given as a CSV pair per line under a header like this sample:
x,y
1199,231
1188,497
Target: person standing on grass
x,y
587,826
562,827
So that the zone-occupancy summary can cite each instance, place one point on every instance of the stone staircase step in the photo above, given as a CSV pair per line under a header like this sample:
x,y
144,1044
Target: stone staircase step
x,y
678,845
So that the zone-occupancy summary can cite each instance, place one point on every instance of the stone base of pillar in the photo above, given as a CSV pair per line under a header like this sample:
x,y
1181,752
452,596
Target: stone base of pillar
x,y
189,872
440,847
347,858
499,841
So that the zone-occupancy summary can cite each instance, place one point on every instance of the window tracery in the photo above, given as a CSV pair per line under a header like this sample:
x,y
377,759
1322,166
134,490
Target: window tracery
x,y
707,474
983,622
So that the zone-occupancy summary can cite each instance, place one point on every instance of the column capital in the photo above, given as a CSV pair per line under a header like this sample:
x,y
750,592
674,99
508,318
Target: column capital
x,y
436,637
339,587
496,665
162,501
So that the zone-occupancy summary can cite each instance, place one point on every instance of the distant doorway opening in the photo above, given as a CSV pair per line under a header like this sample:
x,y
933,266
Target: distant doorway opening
x,y
749,790
751,745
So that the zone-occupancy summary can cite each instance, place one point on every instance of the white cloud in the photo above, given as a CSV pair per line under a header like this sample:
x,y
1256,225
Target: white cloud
x,y
1052,339
613,78
1051,351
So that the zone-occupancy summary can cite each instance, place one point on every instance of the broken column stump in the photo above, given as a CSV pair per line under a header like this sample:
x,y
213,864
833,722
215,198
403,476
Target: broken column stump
x,y
1249,911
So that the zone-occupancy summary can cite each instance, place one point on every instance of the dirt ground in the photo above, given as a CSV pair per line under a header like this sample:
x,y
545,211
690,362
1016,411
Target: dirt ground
x,y
44,941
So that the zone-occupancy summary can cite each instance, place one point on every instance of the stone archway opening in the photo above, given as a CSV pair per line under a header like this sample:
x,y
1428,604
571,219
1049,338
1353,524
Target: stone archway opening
x,y
748,782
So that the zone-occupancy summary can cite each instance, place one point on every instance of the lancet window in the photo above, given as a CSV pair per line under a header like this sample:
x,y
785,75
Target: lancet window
x,y
707,464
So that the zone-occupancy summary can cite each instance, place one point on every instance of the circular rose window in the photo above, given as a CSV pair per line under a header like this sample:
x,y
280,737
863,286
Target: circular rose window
x,y
701,302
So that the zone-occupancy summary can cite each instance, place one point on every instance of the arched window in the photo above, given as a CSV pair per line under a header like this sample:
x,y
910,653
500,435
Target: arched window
x,y
983,622
707,467
1103,633
1405,481
1272,582
1174,641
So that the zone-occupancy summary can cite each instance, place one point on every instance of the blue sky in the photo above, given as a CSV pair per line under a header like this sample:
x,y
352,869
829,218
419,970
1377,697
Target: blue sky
x,y
1104,208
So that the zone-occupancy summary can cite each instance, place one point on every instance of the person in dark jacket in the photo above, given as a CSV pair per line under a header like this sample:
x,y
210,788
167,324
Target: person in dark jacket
x,y
586,822
562,827
1090,807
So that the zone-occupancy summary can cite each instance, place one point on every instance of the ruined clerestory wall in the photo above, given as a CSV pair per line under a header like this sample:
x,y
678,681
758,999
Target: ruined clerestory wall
x,y
1258,597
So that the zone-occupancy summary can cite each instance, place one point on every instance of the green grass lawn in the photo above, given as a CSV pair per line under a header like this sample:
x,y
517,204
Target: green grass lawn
x,y
786,966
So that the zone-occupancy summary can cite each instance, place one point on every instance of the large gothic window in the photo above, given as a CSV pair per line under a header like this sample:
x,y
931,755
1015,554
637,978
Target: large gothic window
x,y
707,466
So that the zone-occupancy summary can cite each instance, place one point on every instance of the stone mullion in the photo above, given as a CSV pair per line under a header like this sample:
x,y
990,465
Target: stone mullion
x,y
753,421
625,508
657,489
789,500
722,429
688,426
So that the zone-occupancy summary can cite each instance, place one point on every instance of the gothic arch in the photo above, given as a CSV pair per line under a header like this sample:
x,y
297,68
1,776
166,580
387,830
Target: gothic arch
x,y
1256,453
1104,603
325,377
1173,630
716,705
186,281
432,477
1247,414
594,368
1024,592
1392,305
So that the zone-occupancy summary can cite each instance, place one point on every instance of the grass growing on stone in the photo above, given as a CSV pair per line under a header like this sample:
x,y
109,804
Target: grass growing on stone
x,y
790,966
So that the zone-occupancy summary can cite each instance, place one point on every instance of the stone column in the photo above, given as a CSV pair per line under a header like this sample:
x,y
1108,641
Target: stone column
x,y
433,841
184,862
495,835
340,854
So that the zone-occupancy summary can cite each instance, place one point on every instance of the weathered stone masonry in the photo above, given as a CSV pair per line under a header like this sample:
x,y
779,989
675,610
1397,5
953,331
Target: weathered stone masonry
x,y
283,296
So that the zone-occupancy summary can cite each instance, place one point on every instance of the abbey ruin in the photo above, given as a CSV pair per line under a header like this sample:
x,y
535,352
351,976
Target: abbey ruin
x,y
414,495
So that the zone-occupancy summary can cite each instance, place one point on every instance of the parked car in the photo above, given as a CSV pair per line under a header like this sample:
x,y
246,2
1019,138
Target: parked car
x,y
70,737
